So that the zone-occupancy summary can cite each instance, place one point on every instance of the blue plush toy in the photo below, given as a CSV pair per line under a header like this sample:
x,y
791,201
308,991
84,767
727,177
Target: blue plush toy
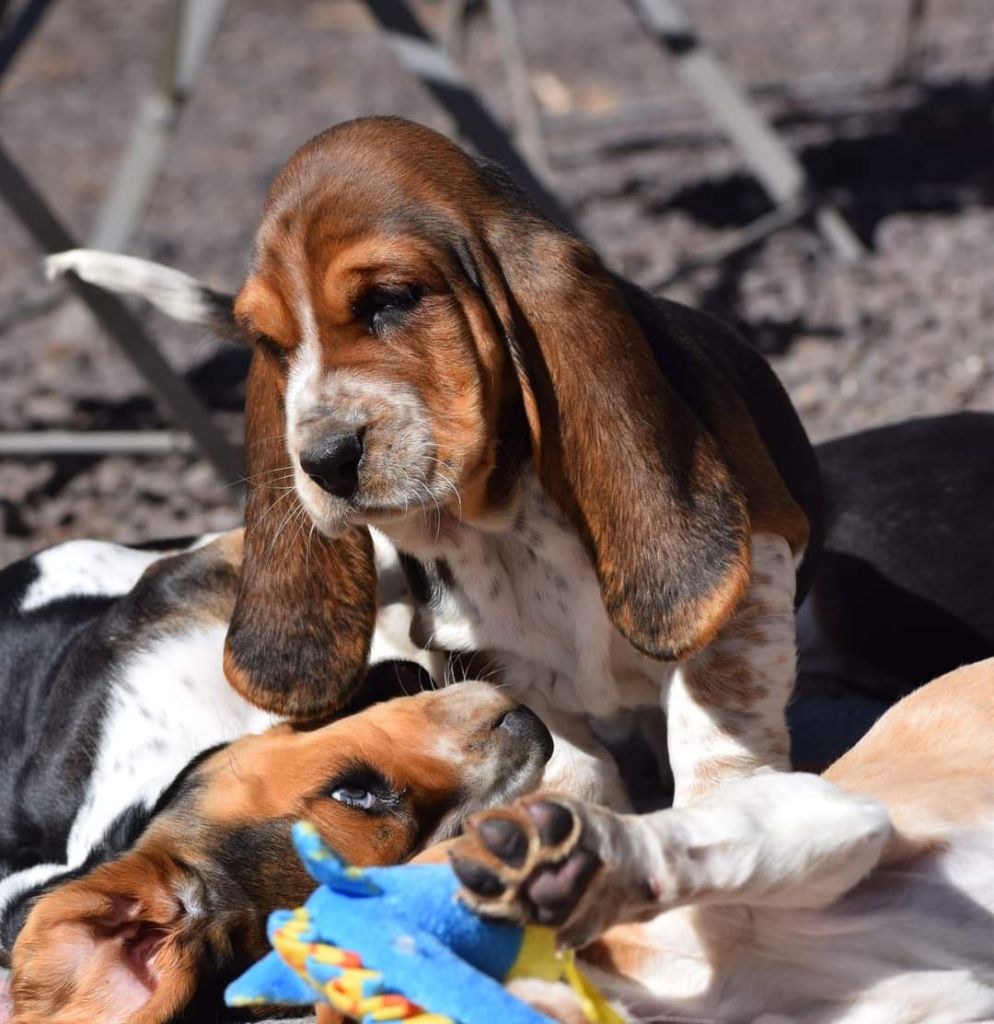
x,y
382,944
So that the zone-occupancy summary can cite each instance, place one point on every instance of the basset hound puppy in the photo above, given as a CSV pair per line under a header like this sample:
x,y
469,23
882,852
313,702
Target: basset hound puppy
x,y
611,495
145,807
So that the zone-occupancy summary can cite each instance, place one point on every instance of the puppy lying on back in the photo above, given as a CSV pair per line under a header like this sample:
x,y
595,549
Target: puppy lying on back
x,y
865,896
134,888
111,681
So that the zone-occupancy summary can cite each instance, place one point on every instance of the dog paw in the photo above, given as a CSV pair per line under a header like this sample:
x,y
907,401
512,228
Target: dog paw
x,y
544,860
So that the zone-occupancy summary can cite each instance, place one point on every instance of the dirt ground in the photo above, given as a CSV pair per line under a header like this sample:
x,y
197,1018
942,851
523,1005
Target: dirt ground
x,y
905,332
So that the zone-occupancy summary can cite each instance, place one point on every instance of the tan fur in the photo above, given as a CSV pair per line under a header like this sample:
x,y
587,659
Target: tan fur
x,y
929,759
260,310
75,942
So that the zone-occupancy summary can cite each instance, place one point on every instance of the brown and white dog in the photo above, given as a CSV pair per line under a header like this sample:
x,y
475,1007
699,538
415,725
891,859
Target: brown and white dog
x,y
861,897
610,493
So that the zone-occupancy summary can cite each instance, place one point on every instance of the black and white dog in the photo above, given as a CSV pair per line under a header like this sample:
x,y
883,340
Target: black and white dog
x,y
111,683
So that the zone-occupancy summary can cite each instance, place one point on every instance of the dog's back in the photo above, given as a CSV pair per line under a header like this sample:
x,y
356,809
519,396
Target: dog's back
x,y
55,678
913,941
929,760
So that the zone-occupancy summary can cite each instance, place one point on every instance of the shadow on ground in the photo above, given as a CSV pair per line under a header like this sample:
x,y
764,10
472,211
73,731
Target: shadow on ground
x,y
933,154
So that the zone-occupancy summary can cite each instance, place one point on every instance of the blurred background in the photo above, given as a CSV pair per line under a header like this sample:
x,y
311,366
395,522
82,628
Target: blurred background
x,y
888,105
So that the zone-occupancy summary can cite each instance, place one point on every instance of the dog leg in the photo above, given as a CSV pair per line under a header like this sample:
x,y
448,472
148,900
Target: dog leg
x,y
770,840
726,706
553,998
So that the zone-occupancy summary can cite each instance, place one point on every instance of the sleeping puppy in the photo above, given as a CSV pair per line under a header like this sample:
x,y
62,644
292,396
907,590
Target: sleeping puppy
x,y
132,887
861,897
610,493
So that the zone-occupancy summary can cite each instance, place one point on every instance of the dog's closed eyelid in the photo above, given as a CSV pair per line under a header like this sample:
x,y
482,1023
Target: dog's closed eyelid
x,y
384,306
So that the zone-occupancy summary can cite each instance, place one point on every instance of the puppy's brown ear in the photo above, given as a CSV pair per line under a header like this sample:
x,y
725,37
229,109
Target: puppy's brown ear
x,y
618,449
306,607
105,947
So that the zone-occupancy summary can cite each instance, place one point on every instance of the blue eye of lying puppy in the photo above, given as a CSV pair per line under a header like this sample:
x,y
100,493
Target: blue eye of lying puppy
x,y
355,797
364,789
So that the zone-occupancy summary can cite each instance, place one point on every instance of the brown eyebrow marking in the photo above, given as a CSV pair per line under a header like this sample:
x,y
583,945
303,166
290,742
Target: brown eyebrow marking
x,y
260,311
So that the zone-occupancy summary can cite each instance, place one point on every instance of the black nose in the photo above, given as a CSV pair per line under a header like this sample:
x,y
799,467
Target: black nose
x,y
525,725
334,466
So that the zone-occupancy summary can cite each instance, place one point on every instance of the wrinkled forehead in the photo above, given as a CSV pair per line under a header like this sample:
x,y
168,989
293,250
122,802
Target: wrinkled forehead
x,y
392,161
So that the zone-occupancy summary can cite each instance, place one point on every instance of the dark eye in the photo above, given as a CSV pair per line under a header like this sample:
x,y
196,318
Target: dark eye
x,y
383,308
365,789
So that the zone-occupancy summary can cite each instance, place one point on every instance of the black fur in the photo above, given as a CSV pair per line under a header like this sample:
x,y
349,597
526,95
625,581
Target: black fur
x,y
905,591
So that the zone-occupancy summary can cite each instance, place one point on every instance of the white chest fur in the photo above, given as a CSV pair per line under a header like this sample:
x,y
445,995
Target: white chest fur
x,y
524,588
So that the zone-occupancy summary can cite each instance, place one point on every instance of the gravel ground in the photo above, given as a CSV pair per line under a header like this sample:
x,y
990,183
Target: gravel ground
x,y
905,332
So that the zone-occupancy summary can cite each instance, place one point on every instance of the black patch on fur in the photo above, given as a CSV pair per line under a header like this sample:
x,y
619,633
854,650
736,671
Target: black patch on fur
x,y
429,581
121,835
905,590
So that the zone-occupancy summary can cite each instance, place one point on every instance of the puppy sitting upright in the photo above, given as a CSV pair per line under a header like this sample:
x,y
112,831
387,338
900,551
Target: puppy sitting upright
x,y
609,492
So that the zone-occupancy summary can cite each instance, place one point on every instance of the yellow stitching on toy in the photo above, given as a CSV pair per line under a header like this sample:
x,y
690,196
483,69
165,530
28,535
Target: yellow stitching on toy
x,y
537,957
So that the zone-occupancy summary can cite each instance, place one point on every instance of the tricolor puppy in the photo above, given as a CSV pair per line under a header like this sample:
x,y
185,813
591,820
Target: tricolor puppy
x,y
143,837
611,493
861,897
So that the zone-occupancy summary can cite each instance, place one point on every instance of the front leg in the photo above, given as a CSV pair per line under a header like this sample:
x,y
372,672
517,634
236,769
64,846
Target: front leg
x,y
726,706
771,840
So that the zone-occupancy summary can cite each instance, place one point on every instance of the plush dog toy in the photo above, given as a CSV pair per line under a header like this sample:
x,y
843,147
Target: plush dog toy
x,y
382,944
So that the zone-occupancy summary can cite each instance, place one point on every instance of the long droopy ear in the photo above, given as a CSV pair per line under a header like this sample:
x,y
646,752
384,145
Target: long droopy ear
x,y
617,447
106,948
306,607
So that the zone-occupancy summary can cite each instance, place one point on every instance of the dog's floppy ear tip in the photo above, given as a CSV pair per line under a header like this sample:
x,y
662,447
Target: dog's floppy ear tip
x,y
676,620
288,695
303,622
